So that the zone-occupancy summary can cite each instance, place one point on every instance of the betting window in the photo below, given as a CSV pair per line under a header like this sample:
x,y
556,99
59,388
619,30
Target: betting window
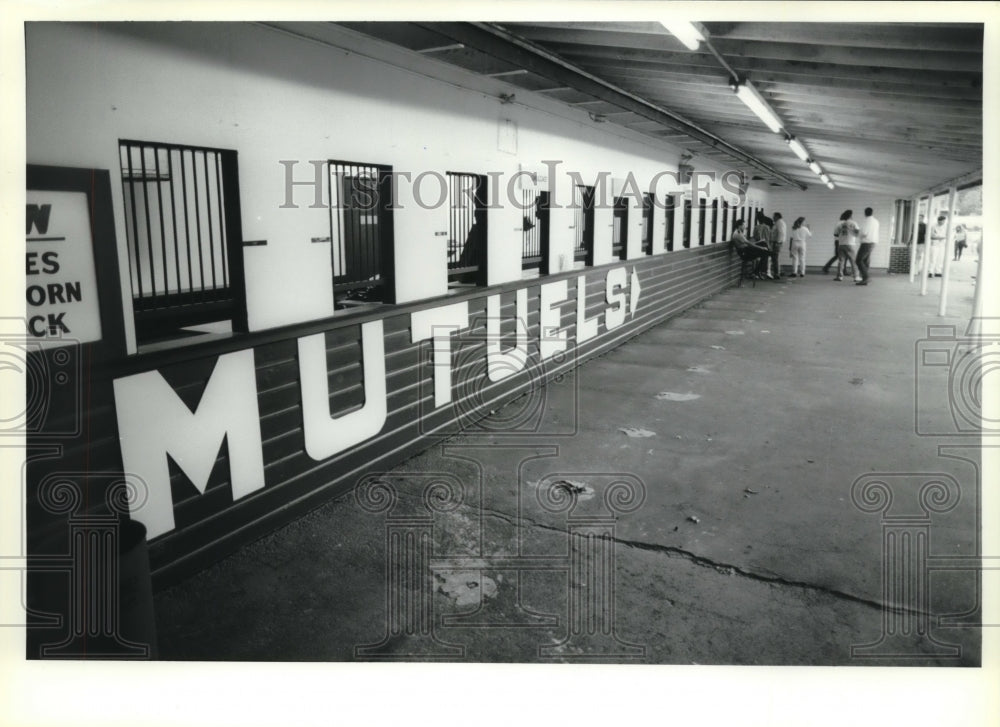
x,y
535,231
583,224
647,224
184,238
668,232
467,199
361,233
619,230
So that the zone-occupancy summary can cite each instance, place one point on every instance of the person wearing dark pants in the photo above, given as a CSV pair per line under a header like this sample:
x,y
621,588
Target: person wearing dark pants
x,y
779,233
748,251
836,256
869,236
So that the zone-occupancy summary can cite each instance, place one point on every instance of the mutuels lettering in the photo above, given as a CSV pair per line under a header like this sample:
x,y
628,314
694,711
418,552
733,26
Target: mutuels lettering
x,y
154,423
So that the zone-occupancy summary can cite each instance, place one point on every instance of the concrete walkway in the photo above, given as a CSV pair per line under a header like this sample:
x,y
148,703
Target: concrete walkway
x,y
734,433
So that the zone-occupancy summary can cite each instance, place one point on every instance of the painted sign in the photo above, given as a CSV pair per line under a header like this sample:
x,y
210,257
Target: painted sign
x,y
228,410
60,276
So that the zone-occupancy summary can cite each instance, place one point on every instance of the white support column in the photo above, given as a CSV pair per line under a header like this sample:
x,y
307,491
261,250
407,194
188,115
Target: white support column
x,y
913,238
948,252
925,268
975,325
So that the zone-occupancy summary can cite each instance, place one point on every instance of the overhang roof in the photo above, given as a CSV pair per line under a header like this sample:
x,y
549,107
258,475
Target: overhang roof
x,y
891,108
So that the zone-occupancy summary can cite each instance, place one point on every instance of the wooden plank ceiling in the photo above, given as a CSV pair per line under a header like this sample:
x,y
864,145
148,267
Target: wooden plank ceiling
x,y
888,108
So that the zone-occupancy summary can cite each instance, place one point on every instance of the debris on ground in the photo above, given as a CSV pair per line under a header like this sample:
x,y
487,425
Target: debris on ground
x,y
637,432
694,518
671,396
752,492
719,348
570,486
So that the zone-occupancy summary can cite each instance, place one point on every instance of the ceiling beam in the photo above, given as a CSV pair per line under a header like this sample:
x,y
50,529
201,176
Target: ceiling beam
x,y
497,42
970,60
814,84
706,65
903,36
922,97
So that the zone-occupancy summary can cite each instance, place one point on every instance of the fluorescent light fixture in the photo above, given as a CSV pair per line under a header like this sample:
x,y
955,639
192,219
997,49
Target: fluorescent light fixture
x,y
756,103
830,185
686,32
815,168
796,146
825,178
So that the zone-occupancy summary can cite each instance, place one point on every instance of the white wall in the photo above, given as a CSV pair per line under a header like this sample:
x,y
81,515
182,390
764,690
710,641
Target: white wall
x,y
822,208
273,97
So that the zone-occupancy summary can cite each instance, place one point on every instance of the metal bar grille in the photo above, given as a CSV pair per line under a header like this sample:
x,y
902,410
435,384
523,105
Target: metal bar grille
x,y
466,226
668,232
702,221
535,229
715,220
583,223
174,222
687,223
619,234
647,224
725,220
357,223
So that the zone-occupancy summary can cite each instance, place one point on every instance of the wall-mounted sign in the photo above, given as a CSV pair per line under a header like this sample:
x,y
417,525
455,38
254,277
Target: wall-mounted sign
x,y
60,275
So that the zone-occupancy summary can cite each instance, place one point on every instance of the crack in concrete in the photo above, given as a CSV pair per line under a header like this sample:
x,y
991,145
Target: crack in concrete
x,y
700,560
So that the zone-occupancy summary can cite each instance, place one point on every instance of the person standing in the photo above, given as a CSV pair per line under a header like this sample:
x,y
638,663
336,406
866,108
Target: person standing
x,y
960,241
800,234
762,237
779,233
939,234
846,232
869,238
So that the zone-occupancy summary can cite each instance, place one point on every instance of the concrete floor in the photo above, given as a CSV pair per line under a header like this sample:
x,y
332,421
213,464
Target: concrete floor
x,y
741,544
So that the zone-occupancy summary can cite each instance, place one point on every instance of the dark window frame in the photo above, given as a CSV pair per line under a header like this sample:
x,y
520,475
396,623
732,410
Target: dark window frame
x,y
467,228
362,260
164,312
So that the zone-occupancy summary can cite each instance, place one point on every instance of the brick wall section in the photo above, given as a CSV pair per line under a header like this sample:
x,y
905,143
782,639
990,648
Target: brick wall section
x,y
899,259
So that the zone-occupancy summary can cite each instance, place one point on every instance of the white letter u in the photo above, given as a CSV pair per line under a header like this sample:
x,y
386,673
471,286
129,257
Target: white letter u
x,y
326,435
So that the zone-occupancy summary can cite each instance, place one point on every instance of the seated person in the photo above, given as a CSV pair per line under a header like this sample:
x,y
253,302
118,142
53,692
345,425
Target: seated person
x,y
749,251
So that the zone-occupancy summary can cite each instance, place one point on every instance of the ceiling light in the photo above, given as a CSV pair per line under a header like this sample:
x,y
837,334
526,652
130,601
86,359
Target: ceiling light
x,y
830,185
796,146
686,32
756,103
825,178
815,168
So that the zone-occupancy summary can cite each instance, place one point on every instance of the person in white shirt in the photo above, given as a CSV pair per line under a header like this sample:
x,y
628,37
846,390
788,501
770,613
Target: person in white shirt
x,y
939,233
800,233
869,237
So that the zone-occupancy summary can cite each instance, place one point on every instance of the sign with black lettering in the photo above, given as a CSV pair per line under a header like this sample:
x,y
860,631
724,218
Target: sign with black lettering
x,y
60,277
